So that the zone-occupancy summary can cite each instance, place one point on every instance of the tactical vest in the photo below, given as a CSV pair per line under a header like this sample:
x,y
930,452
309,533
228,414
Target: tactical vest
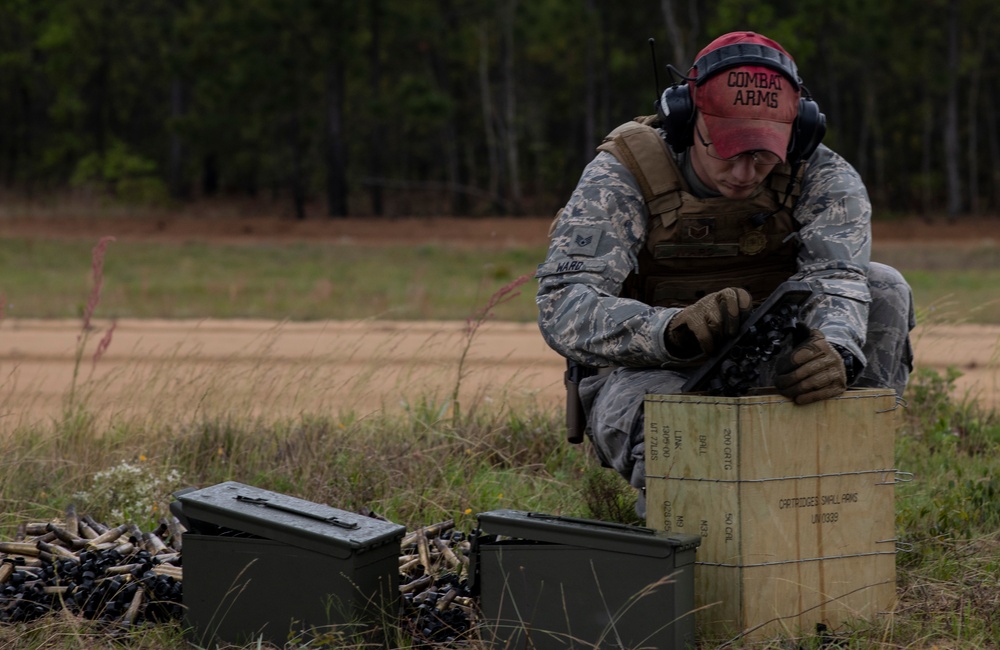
x,y
697,246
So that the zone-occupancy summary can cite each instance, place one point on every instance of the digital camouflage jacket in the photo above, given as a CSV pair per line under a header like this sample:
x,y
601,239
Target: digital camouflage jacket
x,y
601,233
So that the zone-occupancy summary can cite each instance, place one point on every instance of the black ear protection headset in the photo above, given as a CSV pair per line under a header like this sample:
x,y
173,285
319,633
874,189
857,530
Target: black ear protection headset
x,y
677,112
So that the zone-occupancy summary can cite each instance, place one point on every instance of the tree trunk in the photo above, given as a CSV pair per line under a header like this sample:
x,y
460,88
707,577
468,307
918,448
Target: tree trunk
x,y
864,136
590,81
509,10
210,174
375,165
878,151
22,146
604,115
336,157
681,36
97,100
449,132
927,153
830,78
973,121
175,173
298,180
994,156
973,141
177,183
951,153
489,117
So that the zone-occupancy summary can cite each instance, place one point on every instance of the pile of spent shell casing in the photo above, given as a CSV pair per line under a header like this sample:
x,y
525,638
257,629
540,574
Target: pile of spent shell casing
x,y
126,577
117,574
437,602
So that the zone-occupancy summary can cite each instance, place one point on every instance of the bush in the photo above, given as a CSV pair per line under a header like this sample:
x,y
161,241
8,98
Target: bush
x,y
122,175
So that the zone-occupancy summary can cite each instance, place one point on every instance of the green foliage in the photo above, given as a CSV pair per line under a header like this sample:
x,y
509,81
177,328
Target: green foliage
x,y
252,97
946,426
947,517
932,411
951,448
423,107
609,497
122,175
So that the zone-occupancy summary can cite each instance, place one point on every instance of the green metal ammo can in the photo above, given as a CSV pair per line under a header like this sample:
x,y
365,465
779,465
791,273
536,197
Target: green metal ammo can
x,y
547,581
265,566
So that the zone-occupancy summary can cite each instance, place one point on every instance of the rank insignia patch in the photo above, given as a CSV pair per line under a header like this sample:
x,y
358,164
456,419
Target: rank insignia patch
x,y
699,230
584,241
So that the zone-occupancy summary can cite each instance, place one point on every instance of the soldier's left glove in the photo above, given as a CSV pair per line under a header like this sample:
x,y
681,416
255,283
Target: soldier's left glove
x,y
811,371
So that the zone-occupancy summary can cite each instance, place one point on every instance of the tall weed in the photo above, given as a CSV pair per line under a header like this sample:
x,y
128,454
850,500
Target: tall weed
x,y
503,295
98,254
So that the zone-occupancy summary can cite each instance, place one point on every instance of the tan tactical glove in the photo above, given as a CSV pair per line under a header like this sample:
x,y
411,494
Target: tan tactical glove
x,y
705,325
811,371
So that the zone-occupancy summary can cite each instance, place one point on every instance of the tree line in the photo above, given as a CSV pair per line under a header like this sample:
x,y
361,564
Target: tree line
x,y
464,107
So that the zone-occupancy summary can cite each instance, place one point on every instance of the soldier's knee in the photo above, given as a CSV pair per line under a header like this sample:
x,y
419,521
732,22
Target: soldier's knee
x,y
891,292
882,277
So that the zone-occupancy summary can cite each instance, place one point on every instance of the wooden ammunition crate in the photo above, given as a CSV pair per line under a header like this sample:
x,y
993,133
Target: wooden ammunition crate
x,y
794,506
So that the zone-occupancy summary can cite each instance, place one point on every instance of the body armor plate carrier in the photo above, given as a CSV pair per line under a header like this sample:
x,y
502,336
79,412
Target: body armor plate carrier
x,y
697,246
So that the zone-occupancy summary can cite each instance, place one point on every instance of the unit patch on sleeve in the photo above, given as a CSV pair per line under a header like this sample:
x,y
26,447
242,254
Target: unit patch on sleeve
x,y
583,241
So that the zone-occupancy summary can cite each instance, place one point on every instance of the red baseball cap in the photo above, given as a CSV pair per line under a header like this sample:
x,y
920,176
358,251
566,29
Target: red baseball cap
x,y
746,106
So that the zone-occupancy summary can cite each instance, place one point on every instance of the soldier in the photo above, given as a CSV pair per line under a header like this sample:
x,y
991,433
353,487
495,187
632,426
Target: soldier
x,y
686,219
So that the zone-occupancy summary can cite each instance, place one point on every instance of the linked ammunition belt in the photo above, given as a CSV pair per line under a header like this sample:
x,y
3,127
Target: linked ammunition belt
x,y
736,368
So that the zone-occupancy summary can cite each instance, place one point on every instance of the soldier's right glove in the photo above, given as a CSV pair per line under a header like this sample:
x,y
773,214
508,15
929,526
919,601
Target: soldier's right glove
x,y
811,371
705,325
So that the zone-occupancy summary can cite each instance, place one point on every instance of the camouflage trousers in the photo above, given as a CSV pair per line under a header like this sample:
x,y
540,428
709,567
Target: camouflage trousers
x,y
614,401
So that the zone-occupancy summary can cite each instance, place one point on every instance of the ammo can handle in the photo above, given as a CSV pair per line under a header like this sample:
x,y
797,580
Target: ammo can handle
x,y
592,522
260,501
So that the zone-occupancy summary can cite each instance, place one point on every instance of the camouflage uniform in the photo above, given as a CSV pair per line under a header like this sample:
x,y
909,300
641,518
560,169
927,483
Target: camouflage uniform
x,y
863,307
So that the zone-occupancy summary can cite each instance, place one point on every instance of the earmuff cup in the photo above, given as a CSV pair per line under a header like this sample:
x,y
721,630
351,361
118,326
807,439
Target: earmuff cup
x,y
676,110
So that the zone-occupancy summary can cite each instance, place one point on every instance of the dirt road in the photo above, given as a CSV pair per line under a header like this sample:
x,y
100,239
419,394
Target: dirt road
x,y
174,370
164,371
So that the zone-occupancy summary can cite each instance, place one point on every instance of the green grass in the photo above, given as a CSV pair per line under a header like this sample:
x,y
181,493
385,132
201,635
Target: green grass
x,y
950,284
314,281
948,518
299,281
968,296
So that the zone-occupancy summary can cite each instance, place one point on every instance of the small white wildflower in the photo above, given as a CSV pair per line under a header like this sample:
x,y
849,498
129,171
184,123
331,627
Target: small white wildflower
x,y
128,492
